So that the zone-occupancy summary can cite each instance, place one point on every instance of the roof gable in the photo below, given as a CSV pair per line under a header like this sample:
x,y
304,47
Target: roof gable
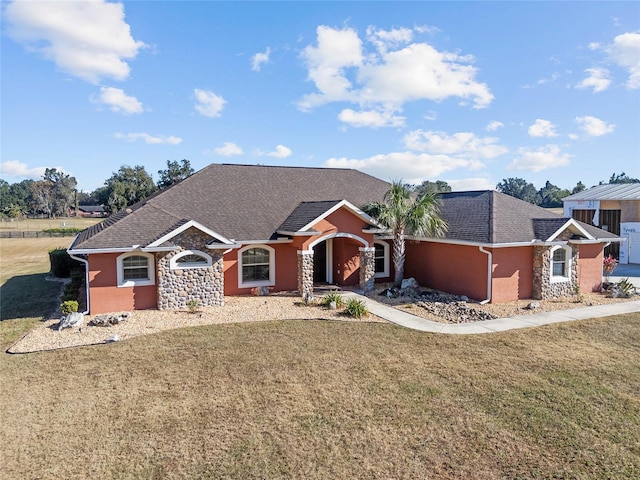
x,y
307,214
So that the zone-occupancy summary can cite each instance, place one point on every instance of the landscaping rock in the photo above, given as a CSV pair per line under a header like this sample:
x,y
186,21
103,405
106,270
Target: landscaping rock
x,y
109,319
74,319
533,305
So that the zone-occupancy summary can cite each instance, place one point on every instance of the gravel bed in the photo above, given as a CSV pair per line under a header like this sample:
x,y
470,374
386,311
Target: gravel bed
x,y
142,322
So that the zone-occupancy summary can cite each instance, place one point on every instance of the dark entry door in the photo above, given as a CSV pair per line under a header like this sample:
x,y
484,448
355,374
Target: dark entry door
x,y
320,263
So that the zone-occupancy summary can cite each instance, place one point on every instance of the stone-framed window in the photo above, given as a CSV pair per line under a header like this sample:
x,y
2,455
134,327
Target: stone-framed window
x,y
135,269
381,259
256,266
560,264
190,259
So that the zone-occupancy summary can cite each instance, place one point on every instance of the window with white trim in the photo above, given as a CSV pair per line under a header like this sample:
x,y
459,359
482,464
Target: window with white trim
x,y
190,259
135,269
381,259
560,264
256,266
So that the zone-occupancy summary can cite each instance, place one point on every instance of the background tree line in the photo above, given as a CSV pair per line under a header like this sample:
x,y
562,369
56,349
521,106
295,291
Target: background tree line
x,y
56,194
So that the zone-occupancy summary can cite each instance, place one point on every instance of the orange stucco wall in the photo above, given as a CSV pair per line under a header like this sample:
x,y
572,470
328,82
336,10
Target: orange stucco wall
x,y
512,274
105,296
340,221
441,266
590,268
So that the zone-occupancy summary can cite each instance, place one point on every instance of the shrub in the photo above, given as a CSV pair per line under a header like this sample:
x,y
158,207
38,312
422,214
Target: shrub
x,y
333,297
192,305
68,307
356,308
61,262
62,231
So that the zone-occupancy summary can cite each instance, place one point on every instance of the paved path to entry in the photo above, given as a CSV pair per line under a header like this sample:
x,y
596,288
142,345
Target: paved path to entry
x,y
415,322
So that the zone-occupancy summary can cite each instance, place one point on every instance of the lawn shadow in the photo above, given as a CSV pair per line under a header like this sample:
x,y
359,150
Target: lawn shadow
x,y
28,296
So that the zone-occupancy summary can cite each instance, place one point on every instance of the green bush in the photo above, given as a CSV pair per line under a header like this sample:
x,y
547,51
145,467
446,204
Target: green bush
x,y
356,308
68,307
193,305
333,297
61,262
62,231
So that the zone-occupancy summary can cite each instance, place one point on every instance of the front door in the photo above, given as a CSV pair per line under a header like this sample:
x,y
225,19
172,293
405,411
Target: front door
x,y
320,263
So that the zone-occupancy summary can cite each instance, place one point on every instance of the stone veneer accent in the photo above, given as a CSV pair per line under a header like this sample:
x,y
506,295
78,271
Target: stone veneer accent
x,y
367,268
543,288
176,288
305,274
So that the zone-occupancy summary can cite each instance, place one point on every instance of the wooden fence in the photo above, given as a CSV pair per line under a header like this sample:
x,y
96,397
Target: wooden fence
x,y
5,234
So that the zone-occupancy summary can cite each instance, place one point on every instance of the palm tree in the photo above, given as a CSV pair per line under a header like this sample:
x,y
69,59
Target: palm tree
x,y
406,213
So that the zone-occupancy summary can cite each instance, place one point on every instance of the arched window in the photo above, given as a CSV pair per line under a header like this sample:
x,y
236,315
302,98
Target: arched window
x,y
561,264
382,259
256,266
190,259
135,269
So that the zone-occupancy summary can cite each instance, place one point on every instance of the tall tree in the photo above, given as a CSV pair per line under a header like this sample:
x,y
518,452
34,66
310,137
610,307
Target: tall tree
x,y
550,196
406,213
174,173
621,178
438,186
519,188
578,188
128,186
54,194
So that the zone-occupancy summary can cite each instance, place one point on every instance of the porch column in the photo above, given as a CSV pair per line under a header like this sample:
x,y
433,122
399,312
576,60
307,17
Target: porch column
x,y
305,274
367,268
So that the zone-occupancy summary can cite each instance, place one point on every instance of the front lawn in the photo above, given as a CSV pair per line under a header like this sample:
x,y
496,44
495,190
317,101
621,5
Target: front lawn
x,y
320,399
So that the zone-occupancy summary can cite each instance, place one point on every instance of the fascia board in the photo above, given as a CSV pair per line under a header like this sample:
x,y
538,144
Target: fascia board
x,y
187,225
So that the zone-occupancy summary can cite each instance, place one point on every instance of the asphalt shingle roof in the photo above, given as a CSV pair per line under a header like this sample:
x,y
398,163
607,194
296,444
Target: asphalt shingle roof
x,y
253,202
240,202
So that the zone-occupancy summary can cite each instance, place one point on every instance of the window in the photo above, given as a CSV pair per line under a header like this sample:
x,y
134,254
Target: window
x,y
256,266
382,259
135,269
560,264
190,259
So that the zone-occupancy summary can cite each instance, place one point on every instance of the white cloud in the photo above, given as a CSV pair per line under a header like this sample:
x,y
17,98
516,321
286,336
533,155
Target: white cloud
x,y
371,118
411,167
16,169
386,78
461,144
597,78
540,159
625,52
494,125
465,184
228,149
87,39
150,139
208,103
594,127
118,101
542,128
259,59
280,152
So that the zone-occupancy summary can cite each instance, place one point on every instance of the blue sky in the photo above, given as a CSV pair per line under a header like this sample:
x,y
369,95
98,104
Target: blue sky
x,y
466,92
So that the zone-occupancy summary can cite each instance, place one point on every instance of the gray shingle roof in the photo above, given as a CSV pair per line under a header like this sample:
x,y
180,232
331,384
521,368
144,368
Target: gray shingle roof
x,y
304,213
241,202
495,218
621,191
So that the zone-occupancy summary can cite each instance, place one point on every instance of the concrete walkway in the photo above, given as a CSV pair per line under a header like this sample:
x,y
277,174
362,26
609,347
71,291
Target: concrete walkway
x,y
415,322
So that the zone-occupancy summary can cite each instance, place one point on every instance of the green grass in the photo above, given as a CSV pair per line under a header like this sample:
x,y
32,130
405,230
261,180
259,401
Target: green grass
x,y
38,224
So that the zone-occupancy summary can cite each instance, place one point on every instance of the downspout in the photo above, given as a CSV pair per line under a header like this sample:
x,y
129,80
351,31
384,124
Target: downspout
x,y
86,278
489,271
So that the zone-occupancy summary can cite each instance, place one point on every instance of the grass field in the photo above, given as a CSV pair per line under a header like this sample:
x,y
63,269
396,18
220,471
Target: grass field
x,y
325,400
37,225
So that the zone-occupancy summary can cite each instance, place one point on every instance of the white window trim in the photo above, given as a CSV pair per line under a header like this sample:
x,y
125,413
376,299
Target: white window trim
x,y
174,265
272,268
384,273
567,265
136,283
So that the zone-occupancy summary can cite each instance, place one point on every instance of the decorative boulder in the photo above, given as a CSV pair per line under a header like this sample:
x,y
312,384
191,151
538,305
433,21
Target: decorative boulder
x,y
410,287
74,319
533,305
262,291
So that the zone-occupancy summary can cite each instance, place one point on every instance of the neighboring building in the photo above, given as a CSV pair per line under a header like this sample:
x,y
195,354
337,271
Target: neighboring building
x,y
96,211
229,229
615,208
